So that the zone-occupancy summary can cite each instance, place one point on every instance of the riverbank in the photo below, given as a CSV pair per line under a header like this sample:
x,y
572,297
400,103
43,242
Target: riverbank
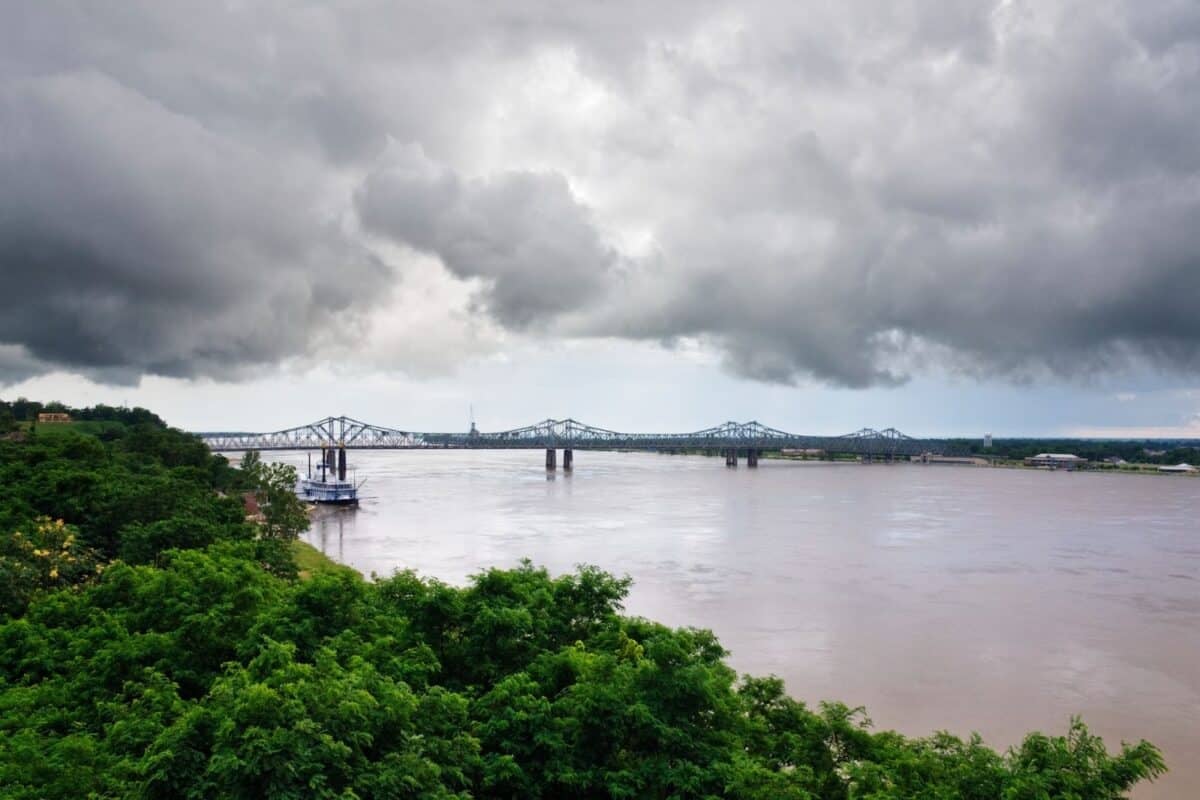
x,y
310,561
1108,469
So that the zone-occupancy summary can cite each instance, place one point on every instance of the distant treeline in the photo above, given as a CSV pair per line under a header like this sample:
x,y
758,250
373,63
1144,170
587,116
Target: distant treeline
x,y
157,643
1147,451
22,410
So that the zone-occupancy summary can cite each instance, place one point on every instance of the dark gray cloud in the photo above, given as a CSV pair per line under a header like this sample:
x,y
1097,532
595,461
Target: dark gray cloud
x,y
16,365
132,240
1021,203
522,233
842,192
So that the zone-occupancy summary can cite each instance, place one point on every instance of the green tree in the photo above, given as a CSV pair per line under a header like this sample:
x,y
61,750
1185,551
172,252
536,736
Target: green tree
x,y
251,466
1077,766
44,555
282,728
284,514
8,422
26,410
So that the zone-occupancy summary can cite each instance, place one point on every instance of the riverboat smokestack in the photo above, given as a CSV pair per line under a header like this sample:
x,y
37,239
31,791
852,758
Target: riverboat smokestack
x,y
341,463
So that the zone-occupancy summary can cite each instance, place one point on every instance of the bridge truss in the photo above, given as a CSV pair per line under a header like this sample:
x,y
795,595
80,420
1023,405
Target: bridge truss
x,y
570,434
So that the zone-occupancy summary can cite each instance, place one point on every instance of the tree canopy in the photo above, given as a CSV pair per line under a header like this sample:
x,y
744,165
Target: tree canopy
x,y
156,644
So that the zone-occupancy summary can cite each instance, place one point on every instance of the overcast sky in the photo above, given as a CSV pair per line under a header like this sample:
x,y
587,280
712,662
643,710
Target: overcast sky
x,y
951,217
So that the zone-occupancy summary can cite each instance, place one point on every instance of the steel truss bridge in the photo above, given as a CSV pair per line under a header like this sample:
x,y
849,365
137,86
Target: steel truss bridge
x,y
569,434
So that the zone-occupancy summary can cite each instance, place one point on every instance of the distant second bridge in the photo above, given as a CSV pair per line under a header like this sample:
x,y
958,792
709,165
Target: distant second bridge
x,y
732,439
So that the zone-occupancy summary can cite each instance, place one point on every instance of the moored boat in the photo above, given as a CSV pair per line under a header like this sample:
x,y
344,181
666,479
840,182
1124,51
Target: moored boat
x,y
329,486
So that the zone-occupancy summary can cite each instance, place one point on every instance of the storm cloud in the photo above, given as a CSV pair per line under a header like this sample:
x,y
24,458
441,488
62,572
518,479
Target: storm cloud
x,y
522,233
132,240
845,193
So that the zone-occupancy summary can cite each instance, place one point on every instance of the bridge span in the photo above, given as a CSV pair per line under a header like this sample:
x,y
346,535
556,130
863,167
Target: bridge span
x,y
730,439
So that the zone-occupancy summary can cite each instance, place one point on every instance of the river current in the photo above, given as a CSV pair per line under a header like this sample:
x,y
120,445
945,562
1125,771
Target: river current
x,y
953,598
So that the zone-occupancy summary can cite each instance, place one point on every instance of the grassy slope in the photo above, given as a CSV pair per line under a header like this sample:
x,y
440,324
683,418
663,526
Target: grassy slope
x,y
310,560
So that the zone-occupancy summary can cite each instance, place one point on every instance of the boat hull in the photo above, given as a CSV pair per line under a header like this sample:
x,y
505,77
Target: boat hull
x,y
335,493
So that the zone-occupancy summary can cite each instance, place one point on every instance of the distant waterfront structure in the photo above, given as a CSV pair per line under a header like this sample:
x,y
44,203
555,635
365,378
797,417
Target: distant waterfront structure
x,y
987,441
251,507
53,416
1056,460
1177,468
935,458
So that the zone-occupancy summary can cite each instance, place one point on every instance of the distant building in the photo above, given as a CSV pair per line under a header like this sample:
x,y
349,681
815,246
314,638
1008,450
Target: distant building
x,y
251,507
935,458
1178,468
1056,460
1115,460
987,441
1153,453
53,416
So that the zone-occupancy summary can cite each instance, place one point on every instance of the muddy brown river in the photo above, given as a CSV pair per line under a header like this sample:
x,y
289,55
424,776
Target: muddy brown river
x,y
939,597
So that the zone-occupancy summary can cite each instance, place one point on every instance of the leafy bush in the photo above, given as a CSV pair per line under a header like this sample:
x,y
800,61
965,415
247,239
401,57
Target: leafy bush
x,y
46,555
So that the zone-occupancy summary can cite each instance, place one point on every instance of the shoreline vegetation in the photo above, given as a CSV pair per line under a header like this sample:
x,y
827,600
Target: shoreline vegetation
x,y
155,642
311,562
1000,463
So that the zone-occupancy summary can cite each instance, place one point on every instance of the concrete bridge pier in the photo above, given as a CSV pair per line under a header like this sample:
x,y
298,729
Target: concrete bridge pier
x,y
568,458
752,458
551,459
731,457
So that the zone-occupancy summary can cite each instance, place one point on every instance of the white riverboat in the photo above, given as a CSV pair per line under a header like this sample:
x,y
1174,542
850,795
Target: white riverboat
x,y
329,486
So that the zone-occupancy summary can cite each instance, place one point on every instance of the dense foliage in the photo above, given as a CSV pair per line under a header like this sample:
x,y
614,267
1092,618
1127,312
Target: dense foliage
x,y
154,644
21,410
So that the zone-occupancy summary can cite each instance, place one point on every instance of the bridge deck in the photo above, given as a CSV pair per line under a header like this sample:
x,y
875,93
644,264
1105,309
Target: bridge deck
x,y
568,434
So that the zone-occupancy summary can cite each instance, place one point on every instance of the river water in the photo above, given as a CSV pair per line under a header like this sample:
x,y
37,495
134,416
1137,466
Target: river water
x,y
939,597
